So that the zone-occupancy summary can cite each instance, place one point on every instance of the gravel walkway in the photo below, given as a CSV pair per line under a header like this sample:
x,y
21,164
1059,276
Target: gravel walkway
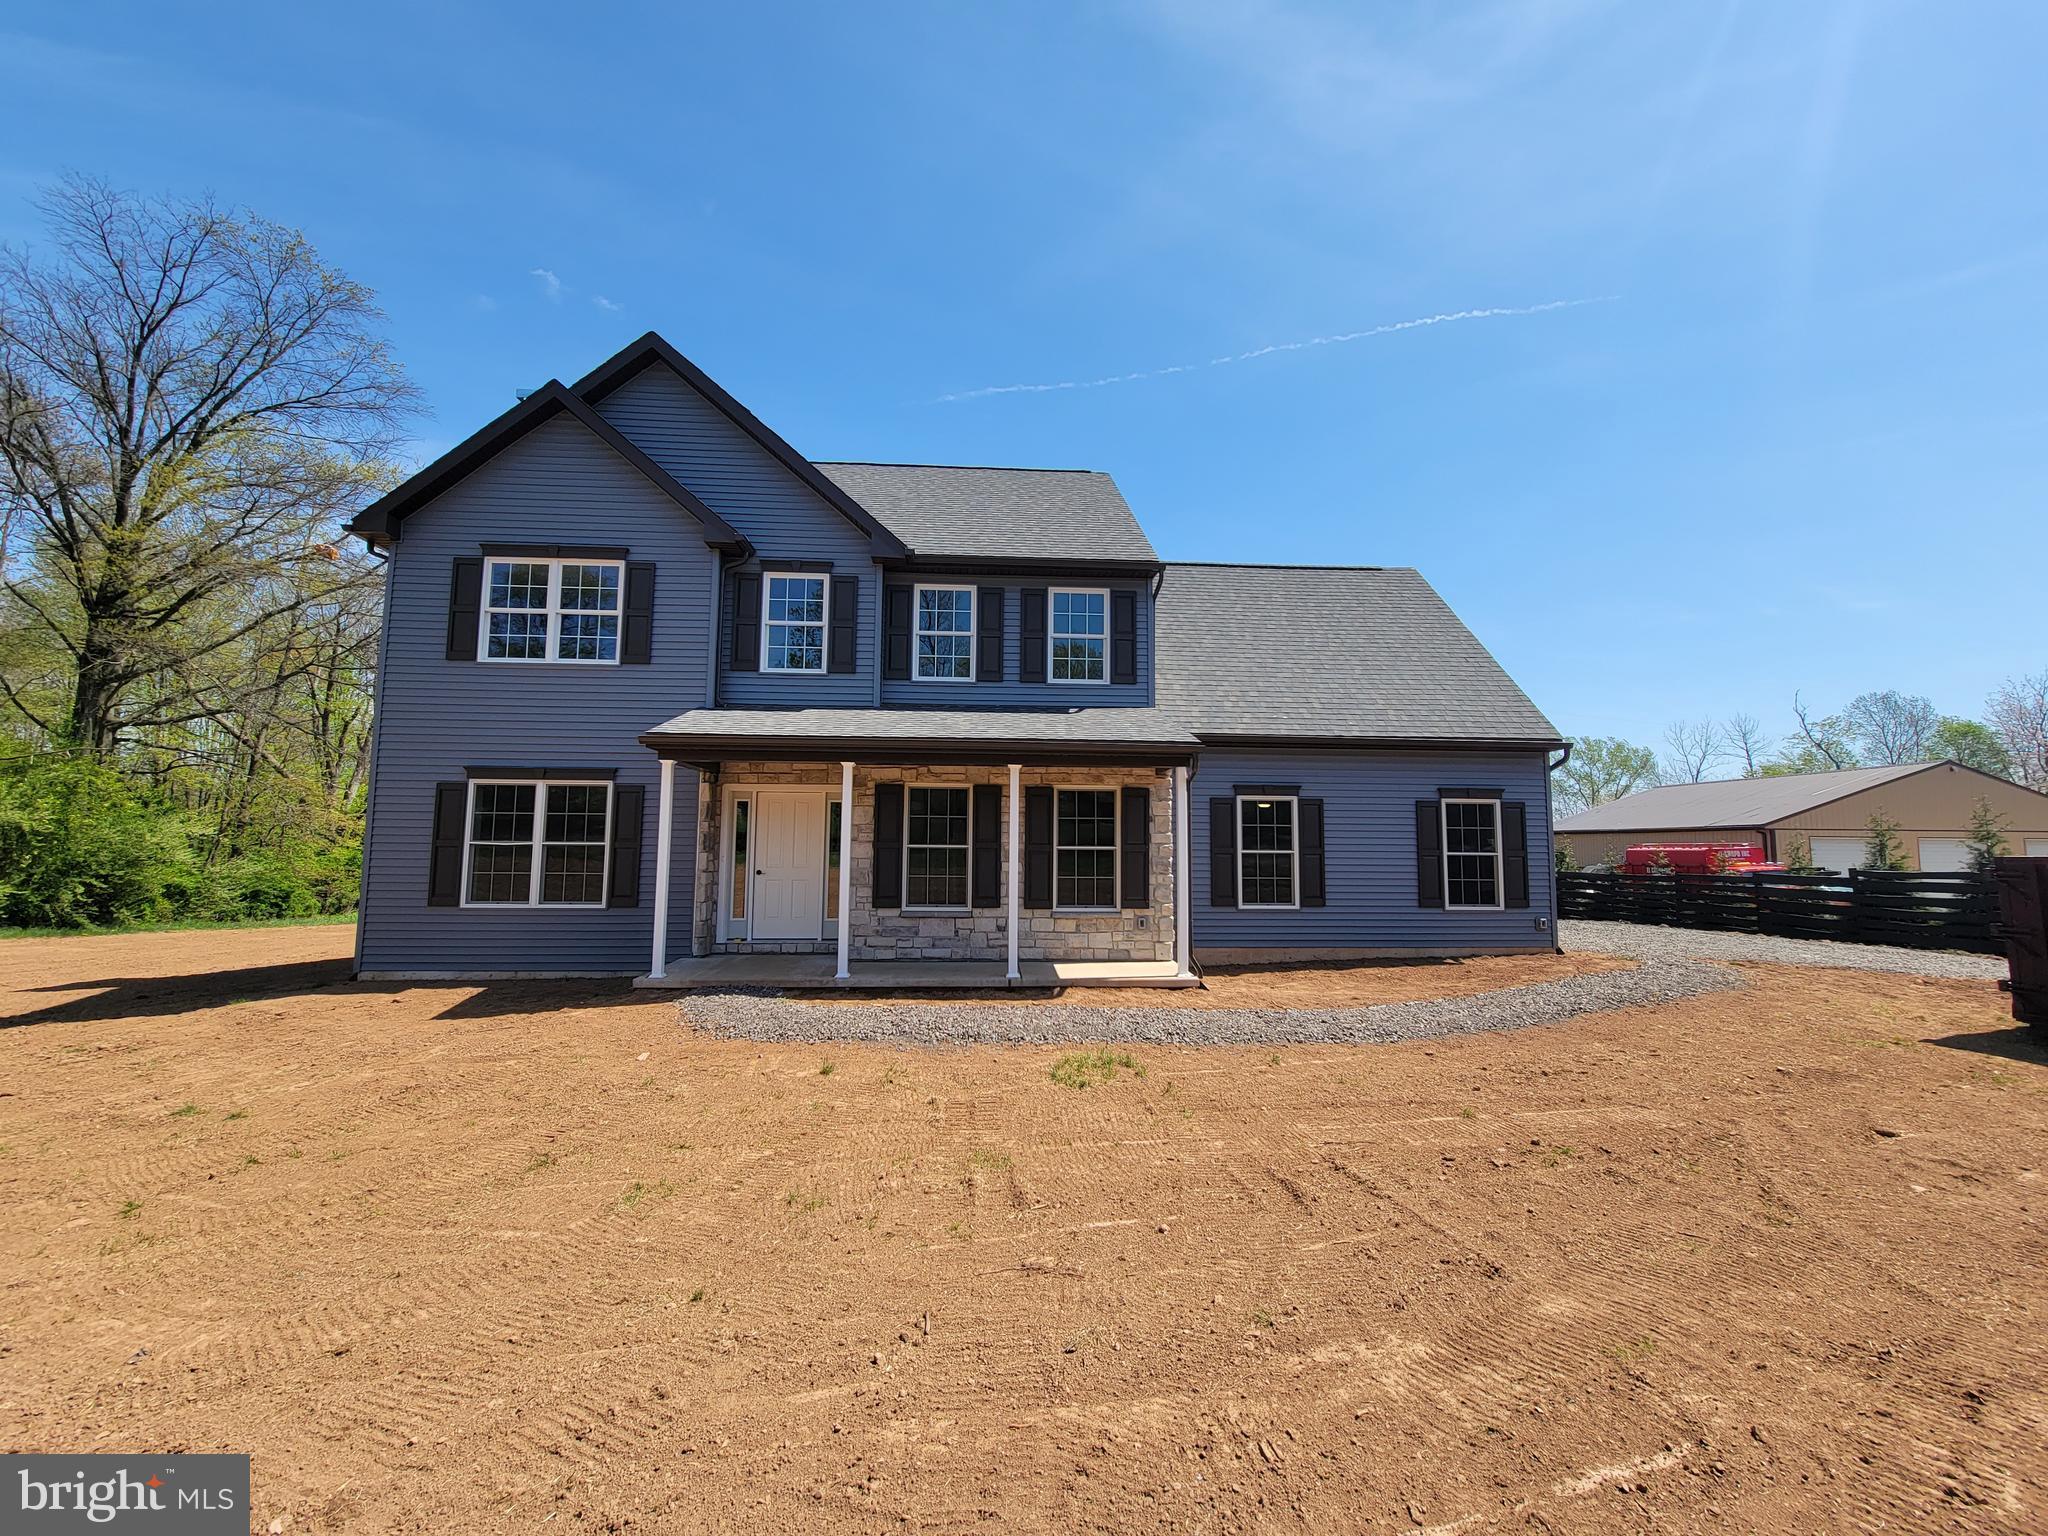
x,y
1648,942
754,1015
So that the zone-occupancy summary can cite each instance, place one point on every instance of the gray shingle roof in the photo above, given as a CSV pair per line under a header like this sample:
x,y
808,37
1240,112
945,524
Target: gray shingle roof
x,y
969,727
1365,654
997,514
1730,802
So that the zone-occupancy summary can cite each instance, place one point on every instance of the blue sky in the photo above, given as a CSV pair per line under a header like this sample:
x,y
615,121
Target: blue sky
x,y
1797,439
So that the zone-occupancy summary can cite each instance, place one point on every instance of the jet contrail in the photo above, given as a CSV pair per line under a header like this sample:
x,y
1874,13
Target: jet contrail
x,y
1278,346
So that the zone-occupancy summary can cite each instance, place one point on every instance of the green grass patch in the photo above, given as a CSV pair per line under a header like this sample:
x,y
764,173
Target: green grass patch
x,y
177,926
1089,1069
183,1111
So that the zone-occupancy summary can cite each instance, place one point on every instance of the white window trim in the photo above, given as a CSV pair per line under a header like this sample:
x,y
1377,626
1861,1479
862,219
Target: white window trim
x,y
533,903
1443,837
973,629
825,623
1293,857
1052,636
1116,845
554,612
968,904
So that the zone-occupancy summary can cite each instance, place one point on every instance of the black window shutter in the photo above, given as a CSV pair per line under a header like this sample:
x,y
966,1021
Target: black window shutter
x,y
636,645
1123,637
1223,852
444,861
841,640
1429,853
896,632
888,885
629,807
465,608
988,625
746,623
1514,853
986,858
1309,823
1031,638
1137,849
1038,846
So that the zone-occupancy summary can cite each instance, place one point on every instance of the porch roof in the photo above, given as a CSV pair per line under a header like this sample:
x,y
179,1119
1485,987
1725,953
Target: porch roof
x,y
895,735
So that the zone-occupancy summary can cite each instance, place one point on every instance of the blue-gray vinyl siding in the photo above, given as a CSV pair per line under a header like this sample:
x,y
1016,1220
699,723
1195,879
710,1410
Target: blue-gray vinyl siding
x,y
1370,857
1012,694
779,515
559,484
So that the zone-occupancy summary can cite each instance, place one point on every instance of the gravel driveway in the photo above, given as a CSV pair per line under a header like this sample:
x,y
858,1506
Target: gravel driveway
x,y
1648,942
770,1017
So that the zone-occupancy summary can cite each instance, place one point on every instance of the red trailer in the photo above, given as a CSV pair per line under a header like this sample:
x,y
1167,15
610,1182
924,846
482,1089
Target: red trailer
x,y
1695,858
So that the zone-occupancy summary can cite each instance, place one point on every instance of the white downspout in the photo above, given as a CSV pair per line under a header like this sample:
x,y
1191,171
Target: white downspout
x,y
1183,881
845,869
664,836
1016,867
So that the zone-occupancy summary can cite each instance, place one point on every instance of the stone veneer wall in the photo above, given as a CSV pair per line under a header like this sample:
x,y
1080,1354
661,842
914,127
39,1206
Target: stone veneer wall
x,y
979,934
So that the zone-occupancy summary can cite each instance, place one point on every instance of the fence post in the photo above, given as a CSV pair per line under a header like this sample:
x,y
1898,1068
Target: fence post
x,y
1756,899
1855,933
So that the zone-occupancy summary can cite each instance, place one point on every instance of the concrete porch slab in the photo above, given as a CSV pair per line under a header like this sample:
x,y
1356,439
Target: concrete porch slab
x,y
807,971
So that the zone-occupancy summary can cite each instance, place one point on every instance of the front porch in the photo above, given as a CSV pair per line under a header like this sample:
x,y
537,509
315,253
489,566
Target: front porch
x,y
972,866
802,971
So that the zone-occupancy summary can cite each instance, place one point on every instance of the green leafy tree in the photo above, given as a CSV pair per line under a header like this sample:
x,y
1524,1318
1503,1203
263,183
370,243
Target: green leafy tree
x,y
1987,837
1971,743
1798,859
1567,861
1603,768
1884,849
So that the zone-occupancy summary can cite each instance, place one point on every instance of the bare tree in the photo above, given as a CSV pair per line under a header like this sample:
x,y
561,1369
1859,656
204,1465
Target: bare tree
x,y
1695,746
189,401
2018,712
1820,744
1743,737
1892,727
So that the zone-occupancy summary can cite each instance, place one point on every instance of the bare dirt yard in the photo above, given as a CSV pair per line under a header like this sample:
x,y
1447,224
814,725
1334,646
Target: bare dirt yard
x,y
480,1258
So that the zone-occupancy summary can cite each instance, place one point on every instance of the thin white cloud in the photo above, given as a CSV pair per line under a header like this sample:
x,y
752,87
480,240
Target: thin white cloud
x,y
605,304
550,284
484,301
1339,339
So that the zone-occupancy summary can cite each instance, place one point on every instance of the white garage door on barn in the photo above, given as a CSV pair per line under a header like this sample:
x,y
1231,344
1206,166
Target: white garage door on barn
x,y
1944,854
2037,847
1838,853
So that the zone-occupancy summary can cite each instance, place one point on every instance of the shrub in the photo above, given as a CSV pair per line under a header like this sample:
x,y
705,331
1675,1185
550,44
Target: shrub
x,y
79,847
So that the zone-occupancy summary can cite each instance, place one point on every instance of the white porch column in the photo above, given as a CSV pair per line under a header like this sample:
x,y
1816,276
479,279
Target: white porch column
x,y
845,868
664,852
1183,876
1015,853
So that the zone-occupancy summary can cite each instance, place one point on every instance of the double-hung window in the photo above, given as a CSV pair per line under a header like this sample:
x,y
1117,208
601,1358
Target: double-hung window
x,y
1084,849
935,847
1472,876
537,844
1268,870
1079,636
793,628
552,610
944,650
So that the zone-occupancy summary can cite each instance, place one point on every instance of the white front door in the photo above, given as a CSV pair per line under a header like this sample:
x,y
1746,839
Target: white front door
x,y
789,864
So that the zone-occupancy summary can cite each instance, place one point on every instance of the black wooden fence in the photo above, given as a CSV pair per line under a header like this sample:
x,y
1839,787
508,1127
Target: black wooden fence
x,y
2023,924
1865,906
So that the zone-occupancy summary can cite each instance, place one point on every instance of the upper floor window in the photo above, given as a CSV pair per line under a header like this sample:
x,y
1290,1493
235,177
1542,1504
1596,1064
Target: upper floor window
x,y
1267,871
944,648
1472,853
552,610
1080,636
537,844
793,631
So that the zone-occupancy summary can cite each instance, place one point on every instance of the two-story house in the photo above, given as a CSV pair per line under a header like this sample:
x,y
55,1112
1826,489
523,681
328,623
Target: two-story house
x,y
656,691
